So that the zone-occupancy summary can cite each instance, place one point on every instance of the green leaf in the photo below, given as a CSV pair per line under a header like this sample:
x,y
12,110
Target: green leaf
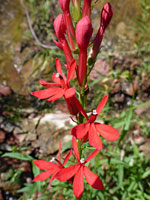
x,y
135,149
146,174
120,174
128,120
19,156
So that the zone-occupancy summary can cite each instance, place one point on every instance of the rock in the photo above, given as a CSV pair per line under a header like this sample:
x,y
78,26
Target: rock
x,y
4,90
51,129
8,127
145,148
141,109
139,140
5,147
20,137
31,136
2,136
101,68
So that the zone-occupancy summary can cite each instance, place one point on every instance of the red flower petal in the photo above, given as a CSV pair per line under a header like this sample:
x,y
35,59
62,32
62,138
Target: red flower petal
x,y
55,78
66,173
92,179
71,70
78,183
45,165
107,132
80,108
58,66
58,44
71,105
42,176
69,93
46,84
54,175
92,155
59,92
94,139
67,157
44,94
80,130
101,104
75,148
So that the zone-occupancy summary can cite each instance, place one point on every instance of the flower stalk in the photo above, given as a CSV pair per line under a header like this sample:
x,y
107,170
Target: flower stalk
x,y
87,129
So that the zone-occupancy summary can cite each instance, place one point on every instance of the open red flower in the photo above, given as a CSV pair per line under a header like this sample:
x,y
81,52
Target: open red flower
x,y
60,87
91,128
80,171
50,167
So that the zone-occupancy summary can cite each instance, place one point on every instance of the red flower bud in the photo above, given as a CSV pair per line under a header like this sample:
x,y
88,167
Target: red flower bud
x,y
106,16
60,27
83,32
86,8
64,4
60,30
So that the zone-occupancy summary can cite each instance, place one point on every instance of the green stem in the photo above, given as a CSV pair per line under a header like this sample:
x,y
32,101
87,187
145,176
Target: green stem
x,y
81,118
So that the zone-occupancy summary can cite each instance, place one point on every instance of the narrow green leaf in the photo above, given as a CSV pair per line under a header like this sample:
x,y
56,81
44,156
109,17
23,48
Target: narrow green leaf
x,y
19,156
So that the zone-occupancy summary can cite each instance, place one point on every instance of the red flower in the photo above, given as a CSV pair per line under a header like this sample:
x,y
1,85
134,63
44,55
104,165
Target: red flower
x,y
86,8
50,167
90,128
83,34
80,171
61,85
60,30
106,16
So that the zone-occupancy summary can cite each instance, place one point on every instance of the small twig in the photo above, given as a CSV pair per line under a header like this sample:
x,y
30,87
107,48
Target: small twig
x,y
32,30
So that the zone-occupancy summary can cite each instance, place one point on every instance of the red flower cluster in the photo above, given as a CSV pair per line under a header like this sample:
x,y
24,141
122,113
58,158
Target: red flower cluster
x,y
73,39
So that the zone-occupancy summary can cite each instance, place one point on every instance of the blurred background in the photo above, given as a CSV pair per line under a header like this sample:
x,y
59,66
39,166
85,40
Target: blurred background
x,y
31,129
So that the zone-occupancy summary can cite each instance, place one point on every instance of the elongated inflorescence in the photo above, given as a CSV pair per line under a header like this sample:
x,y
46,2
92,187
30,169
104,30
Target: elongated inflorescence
x,y
74,38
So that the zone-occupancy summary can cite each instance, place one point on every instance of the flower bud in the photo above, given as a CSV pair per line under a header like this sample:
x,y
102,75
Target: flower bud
x,y
83,32
64,4
106,16
60,26
86,8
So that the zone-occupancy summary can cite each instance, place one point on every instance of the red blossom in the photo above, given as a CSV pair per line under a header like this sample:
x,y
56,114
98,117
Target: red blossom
x,y
89,129
80,171
51,168
83,34
106,15
60,87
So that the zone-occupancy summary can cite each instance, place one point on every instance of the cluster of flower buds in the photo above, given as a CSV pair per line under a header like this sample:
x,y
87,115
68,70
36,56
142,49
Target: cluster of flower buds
x,y
74,36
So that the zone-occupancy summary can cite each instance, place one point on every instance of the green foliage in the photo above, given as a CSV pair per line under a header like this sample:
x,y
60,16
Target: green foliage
x,y
142,23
